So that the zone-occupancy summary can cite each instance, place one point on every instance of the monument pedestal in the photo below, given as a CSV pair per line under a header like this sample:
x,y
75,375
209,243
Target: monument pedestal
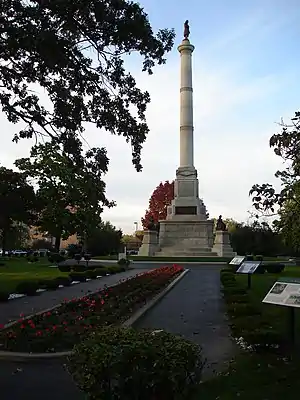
x,y
150,244
193,238
222,245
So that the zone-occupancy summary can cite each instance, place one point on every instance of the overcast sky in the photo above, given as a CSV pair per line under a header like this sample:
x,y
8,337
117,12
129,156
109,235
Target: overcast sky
x,y
245,70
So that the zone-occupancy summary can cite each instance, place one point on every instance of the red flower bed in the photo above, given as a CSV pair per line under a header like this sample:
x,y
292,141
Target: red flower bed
x,y
61,329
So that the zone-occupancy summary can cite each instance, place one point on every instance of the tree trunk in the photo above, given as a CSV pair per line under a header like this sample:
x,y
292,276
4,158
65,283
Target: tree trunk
x,y
4,241
57,243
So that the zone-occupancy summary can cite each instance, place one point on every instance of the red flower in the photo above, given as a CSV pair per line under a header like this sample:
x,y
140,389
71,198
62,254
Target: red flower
x,y
22,326
1,326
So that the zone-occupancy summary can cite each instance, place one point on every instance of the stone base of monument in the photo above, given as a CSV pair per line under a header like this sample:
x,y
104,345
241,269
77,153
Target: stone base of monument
x,y
192,238
150,244
222,245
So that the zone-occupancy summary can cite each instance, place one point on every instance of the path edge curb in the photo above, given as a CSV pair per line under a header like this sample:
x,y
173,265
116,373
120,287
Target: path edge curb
x,y
29,357
133,319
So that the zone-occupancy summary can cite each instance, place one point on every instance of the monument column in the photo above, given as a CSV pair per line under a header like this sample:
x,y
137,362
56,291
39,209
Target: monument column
x,y
186,204
186,231
186,104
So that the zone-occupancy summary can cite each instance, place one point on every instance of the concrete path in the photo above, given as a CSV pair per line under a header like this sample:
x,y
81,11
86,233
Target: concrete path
x,y
11,310
194,308
39,380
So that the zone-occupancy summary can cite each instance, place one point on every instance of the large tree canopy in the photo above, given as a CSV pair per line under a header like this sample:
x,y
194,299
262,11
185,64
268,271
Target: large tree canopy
x,y
73,195
74,50
287,146
18,202
284,203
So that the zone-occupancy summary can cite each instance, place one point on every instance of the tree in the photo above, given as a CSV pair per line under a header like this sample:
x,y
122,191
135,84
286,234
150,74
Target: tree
x,y
72,194
38,244
18,203
74,50
256,238
287,200
288,225
132,242
17,236
160,199
104,240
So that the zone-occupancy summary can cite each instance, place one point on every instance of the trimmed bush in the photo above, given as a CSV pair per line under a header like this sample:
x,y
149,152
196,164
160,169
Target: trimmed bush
x,y
51,284
124,262
116,363
56,258
92,274
113,270
227,270
233,290
259,258
274,268
227,277
4,296
102,271
78,276
249,257
27,287
237,298
64,268
79,268
63,280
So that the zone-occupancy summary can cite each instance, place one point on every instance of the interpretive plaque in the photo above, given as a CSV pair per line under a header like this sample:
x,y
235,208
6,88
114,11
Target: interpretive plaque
x,y
248,267
285,292
237,260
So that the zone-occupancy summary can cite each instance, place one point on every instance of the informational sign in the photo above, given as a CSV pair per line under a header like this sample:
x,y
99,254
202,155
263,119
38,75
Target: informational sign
x,y
237,260
248,267
285,292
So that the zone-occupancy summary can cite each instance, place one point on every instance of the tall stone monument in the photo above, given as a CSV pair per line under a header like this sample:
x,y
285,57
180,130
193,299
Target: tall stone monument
x,y
187,231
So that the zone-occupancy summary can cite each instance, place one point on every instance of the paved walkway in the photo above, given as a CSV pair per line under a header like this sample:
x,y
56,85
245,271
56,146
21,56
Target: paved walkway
x,y
11,310
194,309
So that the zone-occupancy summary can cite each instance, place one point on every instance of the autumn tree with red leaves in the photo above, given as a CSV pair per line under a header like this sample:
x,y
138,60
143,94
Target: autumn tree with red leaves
x,y
159,201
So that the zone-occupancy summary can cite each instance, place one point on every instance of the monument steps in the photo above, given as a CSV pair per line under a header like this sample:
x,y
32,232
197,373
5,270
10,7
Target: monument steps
x,y
185,252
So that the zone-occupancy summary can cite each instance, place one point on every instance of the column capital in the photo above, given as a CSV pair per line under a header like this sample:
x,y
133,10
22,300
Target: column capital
x,y
186,46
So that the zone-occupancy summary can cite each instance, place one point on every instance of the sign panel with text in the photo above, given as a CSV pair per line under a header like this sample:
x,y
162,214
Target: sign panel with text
x,y
248,267
284,292
237,260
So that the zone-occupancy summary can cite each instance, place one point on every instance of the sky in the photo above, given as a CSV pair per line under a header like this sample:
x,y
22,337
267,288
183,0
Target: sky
x,y
245,69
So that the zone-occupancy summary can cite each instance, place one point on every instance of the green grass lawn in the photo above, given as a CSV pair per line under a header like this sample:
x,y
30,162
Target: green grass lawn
x,y
260,376
19,270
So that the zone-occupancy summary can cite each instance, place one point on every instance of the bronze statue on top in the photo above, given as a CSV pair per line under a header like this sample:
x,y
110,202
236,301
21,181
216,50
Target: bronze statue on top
x,y
221,226
186,32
